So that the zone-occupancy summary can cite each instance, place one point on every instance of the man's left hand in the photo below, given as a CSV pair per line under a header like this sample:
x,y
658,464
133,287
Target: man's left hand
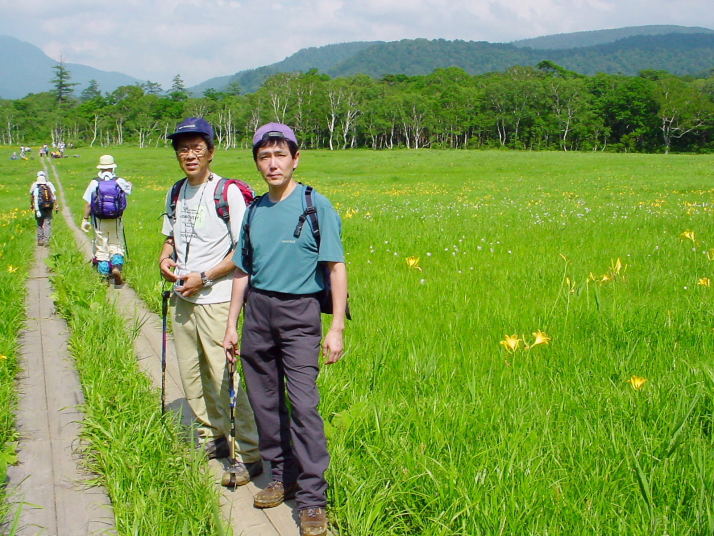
x,y
332,346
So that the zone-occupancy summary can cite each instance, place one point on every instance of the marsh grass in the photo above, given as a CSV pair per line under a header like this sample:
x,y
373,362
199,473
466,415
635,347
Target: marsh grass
x,y
17,242
437,429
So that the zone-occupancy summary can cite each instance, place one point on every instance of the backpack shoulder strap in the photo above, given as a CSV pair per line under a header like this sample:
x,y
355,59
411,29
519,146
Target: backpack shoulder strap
x,y
247,250
220,195
220,198
173,198
310,213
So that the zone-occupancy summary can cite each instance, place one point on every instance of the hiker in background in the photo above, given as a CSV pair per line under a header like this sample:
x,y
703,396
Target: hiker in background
x,y
105,202
43,200
289,247
196,258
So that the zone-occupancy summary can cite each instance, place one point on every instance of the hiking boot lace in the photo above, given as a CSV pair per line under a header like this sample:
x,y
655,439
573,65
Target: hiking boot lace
x,y
312,512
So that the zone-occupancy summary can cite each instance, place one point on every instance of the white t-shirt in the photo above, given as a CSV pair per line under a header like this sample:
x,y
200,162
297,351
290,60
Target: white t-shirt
x,y
208,239
122,183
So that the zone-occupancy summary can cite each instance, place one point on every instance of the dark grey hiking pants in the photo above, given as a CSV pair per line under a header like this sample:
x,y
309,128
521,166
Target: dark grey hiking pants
x,y
279,350
44,226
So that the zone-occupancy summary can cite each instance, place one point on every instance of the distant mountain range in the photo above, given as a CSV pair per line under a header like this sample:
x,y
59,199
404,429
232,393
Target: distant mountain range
x,y
602,37
676,49
26,69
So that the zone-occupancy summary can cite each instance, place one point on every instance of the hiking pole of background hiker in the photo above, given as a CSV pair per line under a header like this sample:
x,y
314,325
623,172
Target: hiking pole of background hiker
x,y
126,248
164,316
229,475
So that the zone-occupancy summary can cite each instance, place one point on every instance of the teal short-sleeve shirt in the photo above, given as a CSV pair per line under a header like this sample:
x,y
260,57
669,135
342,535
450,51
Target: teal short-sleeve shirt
x,y
281,261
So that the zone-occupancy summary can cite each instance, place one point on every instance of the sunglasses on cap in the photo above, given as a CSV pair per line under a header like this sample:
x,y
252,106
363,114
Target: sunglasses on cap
x,y
273,134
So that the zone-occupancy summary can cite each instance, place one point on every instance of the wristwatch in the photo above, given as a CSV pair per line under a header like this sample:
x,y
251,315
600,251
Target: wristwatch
x,y
206,282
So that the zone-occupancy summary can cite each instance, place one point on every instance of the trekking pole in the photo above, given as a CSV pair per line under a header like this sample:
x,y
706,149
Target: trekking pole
x,y
229,476
164,316
126,247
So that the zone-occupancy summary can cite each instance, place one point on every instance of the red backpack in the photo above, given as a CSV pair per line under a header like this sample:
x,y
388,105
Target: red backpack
x,y
220,196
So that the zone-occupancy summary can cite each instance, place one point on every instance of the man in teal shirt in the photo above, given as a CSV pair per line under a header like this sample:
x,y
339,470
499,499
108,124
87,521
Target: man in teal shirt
x,y
283,263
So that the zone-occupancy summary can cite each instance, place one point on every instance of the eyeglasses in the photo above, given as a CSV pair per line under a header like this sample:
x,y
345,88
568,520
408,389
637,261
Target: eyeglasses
x,y
198,150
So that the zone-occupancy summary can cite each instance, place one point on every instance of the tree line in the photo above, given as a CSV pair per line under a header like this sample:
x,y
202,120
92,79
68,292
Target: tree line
x,y
545,107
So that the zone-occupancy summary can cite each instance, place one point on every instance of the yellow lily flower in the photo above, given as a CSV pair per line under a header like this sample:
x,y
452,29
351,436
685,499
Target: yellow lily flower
x,y
413,262
689,235
12,269
511,342
3,357
616,267
637,382
540,338
570,284
704,282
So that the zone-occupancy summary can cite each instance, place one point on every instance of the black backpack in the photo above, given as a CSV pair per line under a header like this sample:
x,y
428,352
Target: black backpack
x,y
45,200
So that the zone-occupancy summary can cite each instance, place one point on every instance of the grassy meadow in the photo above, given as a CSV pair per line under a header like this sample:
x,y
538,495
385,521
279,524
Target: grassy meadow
x,y
532,336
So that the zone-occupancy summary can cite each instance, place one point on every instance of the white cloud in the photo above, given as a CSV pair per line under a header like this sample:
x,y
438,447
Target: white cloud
x,y
156,39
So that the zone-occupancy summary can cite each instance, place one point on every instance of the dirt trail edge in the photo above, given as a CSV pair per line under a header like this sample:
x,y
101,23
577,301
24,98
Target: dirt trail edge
x,y
48,484
236,505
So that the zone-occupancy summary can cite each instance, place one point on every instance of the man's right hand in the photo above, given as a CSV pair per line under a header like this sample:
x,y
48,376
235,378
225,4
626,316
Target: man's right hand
x,y
230,344
166,265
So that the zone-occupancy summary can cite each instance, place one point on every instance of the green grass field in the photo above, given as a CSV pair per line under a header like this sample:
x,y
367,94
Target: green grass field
x,y
436,427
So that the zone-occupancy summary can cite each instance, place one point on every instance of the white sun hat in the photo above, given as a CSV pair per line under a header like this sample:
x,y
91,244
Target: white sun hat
x,y
106,161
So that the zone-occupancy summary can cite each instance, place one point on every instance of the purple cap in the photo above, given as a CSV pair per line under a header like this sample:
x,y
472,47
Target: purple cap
x,y
275,131
193,125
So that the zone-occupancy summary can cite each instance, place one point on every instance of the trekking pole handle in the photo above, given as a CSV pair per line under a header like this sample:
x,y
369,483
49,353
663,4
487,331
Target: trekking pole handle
x,y
231,385
165,302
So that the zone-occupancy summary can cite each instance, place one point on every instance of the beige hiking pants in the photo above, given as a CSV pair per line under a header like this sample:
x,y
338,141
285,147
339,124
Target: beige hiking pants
x,y
108,239
198,336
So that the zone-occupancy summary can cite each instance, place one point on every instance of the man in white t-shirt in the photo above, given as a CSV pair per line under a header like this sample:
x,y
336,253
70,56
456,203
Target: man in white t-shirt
x,y
106,219
43,200
196,258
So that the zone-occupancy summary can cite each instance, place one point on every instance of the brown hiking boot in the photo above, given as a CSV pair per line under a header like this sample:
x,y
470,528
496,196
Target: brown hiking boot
x,y
274,494
116,274
313,521
239,473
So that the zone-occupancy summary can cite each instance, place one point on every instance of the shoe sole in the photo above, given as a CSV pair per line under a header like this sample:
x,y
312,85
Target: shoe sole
x,y
116,274
309,532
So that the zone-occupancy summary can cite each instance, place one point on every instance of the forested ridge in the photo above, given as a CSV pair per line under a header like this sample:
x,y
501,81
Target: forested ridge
x,y
546,107
678,50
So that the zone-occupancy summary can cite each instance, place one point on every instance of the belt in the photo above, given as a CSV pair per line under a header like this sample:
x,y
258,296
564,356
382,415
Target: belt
x,y
281,295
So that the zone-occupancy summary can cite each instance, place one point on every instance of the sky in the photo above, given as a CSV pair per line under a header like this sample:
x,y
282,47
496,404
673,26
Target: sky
x,y
199,39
